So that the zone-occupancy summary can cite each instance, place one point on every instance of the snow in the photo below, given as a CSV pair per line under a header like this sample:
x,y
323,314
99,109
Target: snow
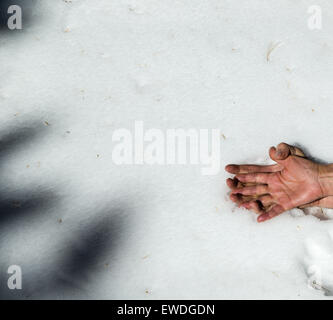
x,y
88,228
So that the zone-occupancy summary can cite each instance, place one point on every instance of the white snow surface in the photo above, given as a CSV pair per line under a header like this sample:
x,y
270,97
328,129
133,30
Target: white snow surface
x,y
81,69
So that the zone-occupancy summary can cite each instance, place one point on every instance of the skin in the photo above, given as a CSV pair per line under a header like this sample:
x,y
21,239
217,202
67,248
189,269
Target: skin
x,y
293,182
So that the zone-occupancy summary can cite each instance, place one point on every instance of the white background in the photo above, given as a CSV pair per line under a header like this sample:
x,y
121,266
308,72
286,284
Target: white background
x,y
81,69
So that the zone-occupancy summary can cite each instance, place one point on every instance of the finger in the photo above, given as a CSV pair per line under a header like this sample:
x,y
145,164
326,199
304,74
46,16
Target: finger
x,y
266,200
235,183
253,206
232,183
251,168
295,151
273,212
278,155
283,151
239,199
259,189
253,177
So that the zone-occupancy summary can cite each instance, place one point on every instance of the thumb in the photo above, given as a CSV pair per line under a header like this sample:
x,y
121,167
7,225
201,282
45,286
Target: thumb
x,y
283,151
280,153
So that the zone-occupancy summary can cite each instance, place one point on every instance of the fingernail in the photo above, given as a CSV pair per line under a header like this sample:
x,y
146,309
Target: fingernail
x,y
227,167
261,218
232,168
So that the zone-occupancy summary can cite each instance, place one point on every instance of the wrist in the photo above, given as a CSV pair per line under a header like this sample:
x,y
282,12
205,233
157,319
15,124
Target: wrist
x,y
325,179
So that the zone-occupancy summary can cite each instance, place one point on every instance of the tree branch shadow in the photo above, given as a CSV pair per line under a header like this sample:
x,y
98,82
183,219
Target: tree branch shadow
x,y
89,250
85,250
16,204
21,203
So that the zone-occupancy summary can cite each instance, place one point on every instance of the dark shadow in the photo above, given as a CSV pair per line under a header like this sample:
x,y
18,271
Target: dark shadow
x,y
81,256
15,207
90,249
27,7
86,250
18,138
5,292
317,212
21,203
308,154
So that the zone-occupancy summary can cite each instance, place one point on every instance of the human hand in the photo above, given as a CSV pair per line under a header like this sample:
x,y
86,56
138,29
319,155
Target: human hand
x,y
293,182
